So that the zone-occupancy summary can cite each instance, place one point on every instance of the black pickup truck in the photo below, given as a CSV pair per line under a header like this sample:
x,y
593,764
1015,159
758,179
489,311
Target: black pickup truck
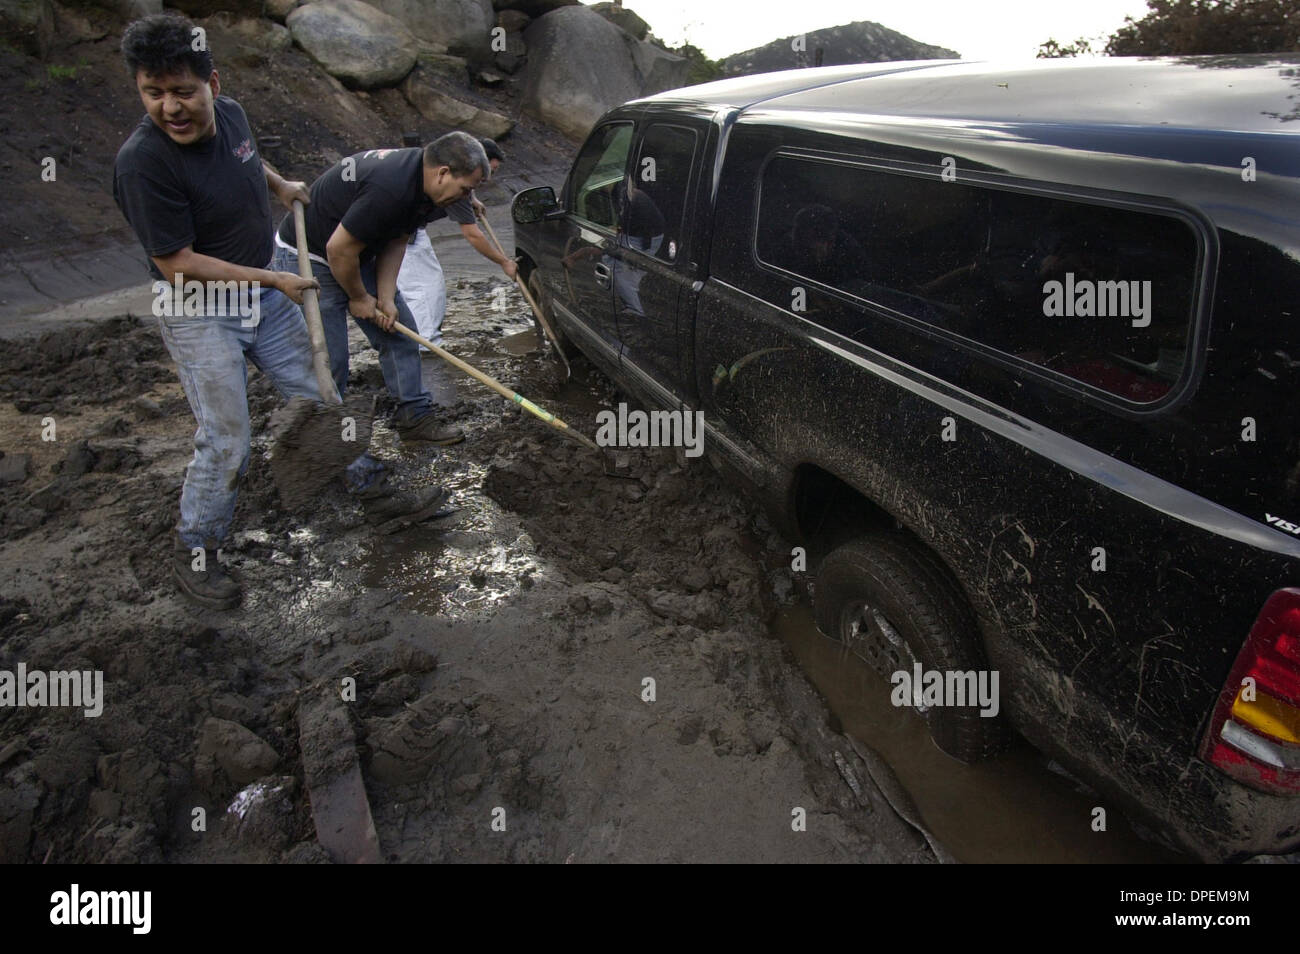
x,y
1013,353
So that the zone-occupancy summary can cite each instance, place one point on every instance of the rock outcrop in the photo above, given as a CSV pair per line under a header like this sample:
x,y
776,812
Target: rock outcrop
x,y
355,42
579,65
446,110
462,27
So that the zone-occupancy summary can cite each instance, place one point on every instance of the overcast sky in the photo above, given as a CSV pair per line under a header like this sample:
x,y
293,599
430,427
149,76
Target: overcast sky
x,y
977,29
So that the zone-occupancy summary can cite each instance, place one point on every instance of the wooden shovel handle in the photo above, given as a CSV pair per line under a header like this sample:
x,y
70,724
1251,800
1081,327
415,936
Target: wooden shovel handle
x,y
495,385
532,303
320,355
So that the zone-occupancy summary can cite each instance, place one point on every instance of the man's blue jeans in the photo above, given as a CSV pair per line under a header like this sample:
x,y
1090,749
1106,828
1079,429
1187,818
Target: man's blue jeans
x,y
210,354
399,357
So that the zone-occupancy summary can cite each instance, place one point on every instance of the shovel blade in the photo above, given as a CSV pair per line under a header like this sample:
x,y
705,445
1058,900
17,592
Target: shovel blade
x,y
314,442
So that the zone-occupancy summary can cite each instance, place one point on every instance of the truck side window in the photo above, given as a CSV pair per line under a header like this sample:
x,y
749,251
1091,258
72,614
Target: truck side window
x,y
598,174
1099,294
653,204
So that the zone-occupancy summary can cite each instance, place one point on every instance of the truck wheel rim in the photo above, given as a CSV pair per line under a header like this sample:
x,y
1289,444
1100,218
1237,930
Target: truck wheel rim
x,y
873,638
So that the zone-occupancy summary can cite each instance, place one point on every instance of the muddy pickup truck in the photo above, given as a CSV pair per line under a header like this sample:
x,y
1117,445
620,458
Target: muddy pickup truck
x,y
1012,355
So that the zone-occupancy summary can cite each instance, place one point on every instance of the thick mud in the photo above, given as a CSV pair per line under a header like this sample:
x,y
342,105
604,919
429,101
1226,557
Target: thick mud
x,y
570,668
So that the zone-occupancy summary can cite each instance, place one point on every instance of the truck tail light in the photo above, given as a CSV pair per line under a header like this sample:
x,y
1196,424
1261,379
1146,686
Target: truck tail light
x,y
1254,733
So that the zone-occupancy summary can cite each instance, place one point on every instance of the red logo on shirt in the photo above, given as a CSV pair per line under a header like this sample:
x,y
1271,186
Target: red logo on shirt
x,y
245,150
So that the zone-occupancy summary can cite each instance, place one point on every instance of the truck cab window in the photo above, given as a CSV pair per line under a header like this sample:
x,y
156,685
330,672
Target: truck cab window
x,y
653,202
1097,294
598,175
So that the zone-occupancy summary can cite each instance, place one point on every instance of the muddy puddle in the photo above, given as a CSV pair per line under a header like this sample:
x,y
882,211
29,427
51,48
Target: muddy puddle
x,y
473,560
463,564
1011,809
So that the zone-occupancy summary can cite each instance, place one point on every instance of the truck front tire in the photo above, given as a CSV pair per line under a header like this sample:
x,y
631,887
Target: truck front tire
x,y
535,289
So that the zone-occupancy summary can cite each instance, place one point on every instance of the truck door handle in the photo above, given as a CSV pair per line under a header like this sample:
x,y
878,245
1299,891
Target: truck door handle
x,y
602,275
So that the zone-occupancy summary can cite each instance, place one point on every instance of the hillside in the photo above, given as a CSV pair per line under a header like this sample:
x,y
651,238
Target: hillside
x,y
860,42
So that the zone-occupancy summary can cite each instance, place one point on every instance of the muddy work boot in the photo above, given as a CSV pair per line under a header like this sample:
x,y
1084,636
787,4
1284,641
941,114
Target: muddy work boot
x,y
428,429
203,580
395,510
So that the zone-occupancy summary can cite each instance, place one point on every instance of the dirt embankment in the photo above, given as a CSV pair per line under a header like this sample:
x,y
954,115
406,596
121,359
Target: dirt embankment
x,y
500,658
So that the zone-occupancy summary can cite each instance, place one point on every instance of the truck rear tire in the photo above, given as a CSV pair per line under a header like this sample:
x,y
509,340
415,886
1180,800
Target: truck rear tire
x,y
894,604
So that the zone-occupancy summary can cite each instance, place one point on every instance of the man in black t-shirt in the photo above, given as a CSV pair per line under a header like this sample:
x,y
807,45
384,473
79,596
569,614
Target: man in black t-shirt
x,y
191,184
421,280
362,213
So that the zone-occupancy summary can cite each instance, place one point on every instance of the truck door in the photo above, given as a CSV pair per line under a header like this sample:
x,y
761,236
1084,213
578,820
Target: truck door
x,y
590,231
653,269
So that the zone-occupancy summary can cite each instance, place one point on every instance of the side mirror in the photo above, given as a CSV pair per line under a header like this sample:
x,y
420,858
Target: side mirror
x,y
534,205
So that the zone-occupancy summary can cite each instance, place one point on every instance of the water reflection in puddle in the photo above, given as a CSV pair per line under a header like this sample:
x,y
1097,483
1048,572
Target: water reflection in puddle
x,y
467,563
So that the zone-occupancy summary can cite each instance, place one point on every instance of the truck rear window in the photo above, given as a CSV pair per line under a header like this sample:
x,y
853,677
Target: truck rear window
x,y
1100,294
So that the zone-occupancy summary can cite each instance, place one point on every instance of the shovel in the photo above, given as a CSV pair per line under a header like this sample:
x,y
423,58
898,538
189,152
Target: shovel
x,y
615,465
314,441
320,356
537,311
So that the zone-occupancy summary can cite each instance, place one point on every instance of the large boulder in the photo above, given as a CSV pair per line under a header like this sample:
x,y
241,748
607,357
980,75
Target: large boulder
x,y
580,65
659,70
462,27
360,44
446,110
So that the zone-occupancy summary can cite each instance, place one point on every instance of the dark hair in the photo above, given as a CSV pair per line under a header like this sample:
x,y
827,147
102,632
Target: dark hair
x,y
493,150
162,44
460,152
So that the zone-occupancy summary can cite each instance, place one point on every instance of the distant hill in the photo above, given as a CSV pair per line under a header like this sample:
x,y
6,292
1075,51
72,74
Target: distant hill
x,y
860,42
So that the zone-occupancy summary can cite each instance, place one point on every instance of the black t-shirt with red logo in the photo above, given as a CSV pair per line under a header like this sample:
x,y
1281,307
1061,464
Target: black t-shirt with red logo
x,y
210,195
378,195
